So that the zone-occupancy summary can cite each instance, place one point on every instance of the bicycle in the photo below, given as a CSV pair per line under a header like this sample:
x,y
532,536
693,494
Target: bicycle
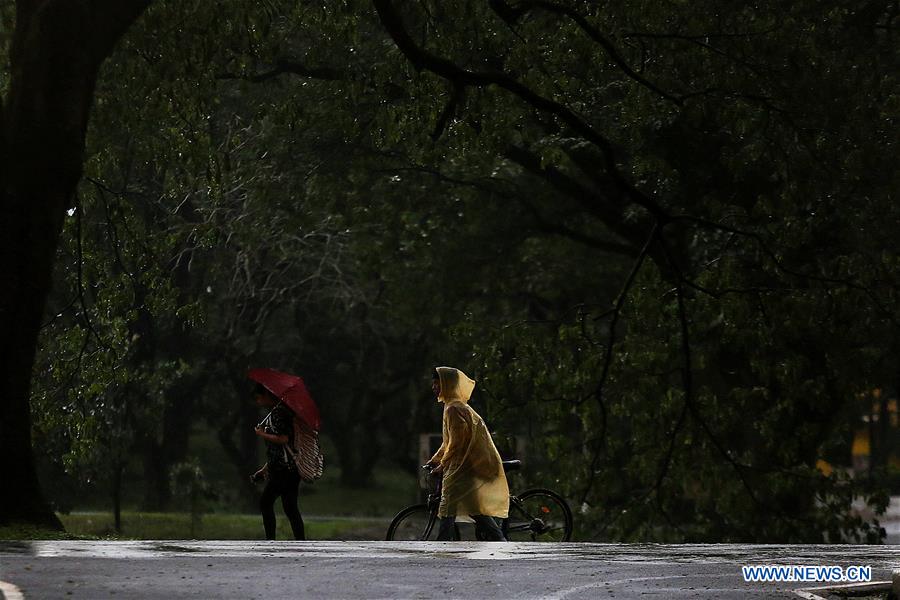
x,y
535,515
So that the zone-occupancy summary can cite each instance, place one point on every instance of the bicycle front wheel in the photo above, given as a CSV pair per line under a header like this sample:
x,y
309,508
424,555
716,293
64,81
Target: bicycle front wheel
x,y
413,523
538,516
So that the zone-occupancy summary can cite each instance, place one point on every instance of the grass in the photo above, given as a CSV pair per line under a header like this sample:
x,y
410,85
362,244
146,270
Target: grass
x,y
30,532
178,526
395,490
330,512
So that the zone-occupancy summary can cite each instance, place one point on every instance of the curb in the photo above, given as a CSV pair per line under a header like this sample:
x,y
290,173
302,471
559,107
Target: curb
x,y
854,589
9,591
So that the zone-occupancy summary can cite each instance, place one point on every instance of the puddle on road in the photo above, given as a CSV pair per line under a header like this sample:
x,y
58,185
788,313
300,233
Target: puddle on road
x,y
876,556
13,547
175,548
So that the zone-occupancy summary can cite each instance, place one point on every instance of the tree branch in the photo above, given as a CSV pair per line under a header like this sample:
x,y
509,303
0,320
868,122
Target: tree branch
x,y
456,97
782,267
699,41
287,66
79,262
607,359
547,226
593,33
593,202
425,60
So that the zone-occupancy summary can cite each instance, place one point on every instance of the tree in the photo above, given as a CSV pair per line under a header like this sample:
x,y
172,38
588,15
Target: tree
x,y
718,165
198,204
53,68
633,191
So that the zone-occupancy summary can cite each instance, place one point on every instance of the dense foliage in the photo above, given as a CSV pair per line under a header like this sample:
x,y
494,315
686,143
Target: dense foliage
x,y
659,234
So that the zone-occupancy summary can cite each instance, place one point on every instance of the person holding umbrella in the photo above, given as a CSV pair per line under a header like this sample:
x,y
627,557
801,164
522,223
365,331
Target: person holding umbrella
x,y
274,391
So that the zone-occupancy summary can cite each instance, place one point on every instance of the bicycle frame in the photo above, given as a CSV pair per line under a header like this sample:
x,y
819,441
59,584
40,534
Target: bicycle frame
x,y
518,522
536,525
433,502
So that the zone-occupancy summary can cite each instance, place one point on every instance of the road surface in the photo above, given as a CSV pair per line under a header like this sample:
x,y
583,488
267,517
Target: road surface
x,y
372,570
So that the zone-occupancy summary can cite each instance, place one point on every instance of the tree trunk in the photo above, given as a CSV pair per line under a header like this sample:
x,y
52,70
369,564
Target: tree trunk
x,y
159,457
55,54
356,471
118,468
243,454
358,450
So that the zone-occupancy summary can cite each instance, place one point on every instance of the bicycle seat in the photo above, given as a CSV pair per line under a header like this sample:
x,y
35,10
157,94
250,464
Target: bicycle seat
x,y
511,465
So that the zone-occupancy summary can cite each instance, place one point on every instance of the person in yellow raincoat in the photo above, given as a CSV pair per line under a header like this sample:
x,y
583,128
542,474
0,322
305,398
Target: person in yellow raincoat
x,y
474,481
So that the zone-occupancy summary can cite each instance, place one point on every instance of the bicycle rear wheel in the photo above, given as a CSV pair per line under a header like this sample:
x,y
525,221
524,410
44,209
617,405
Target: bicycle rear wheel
x,y
413,523
538,516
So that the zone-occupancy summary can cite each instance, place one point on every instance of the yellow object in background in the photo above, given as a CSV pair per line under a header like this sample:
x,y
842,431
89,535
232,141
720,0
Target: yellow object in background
x,y
861,445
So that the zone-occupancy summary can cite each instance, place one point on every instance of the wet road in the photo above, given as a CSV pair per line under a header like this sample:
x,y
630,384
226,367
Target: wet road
x,y
97,570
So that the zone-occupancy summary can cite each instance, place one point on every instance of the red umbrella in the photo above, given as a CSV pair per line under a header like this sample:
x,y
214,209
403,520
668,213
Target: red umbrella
x,y
291,390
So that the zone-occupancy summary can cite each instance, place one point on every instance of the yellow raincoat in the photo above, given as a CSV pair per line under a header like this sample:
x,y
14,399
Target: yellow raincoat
x,y
474,480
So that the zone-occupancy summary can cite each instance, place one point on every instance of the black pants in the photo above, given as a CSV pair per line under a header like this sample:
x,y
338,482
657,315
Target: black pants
x,y
487,525
285,485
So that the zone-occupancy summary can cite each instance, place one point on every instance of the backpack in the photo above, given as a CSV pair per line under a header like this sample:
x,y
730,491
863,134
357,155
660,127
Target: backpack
x,y
305,451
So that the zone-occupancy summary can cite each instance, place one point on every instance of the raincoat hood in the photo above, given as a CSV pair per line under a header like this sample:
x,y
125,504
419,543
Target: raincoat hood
x,y
455,385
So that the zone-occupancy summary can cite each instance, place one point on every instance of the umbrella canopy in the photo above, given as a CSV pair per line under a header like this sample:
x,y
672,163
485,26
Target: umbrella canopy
x,y
291,390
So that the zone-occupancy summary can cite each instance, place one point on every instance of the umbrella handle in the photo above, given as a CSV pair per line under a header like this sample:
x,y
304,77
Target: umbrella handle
x,y
266,418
